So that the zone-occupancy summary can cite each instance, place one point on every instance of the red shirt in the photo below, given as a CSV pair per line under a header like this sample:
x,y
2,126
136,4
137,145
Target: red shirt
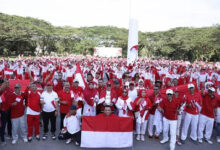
x,y
65,96
118,92
192,100
100,89
170,108
209,105
78,90
17,110
33,100
142,106
5,106
153,99
58,87
113,100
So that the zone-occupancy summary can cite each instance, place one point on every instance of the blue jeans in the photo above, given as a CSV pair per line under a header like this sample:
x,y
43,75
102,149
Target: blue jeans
x,y
218,129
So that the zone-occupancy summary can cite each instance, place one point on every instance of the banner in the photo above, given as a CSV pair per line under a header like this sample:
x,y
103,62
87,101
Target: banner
x,y
132,52
107,132
24,84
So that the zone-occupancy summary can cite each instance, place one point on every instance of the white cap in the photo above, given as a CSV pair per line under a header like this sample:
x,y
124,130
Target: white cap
x,y
169,91
141,80
212,89
191,85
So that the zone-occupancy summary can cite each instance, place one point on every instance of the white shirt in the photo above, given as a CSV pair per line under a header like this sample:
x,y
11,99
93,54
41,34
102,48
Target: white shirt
x,y
72,123
123,105
202,77
49,99
132,94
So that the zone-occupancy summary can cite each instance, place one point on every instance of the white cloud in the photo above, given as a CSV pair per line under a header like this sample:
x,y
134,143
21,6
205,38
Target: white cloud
x,y
153,15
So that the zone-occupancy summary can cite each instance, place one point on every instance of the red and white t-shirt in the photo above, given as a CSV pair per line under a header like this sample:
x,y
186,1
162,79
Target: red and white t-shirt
x,y
65,96
17,110
209,105
33,102
191,100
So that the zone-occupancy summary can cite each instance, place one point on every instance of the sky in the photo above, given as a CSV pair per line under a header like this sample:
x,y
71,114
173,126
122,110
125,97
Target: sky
x,y
152,15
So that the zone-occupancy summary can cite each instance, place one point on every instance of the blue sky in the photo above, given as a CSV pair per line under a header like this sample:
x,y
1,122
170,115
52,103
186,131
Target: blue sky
x,y
152,15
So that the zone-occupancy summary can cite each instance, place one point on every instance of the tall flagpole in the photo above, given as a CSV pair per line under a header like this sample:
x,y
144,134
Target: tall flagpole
x,y
132,51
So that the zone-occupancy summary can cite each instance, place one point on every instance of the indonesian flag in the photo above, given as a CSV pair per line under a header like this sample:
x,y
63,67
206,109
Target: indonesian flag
x,y
132,52
79,76
107,132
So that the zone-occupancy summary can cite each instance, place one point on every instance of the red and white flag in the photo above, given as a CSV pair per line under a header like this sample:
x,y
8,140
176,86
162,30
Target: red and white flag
x,y
24,84
79,76
107,132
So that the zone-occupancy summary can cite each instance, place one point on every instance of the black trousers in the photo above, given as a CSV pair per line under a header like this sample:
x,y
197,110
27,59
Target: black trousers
x,y
49,116
5,120
76,136
62,116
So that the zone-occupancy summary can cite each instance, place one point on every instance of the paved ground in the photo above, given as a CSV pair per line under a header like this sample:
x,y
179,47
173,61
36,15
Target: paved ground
x,y
149,144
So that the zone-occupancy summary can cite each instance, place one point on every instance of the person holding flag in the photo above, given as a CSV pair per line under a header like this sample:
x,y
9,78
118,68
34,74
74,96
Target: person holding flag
x,y
90,100
124,105
141,106
32,95
192,109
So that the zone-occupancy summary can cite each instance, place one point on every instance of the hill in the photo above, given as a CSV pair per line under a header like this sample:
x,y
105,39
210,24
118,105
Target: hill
x,y
25,35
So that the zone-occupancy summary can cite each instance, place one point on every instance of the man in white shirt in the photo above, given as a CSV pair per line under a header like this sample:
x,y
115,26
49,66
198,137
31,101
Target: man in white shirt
x,y
49,99
71,125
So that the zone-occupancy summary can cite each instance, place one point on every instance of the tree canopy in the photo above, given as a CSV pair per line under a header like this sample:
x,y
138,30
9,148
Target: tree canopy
x,y
30,36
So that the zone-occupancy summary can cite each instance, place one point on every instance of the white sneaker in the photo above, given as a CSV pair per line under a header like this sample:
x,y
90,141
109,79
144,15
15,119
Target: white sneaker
x,y
68,141
25,140
218,139
200,141
164,141
76,143
209,141
142,138
14,142
138,137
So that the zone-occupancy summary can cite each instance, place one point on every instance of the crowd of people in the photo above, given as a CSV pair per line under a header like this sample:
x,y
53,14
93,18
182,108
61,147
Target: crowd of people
x,y
161,95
